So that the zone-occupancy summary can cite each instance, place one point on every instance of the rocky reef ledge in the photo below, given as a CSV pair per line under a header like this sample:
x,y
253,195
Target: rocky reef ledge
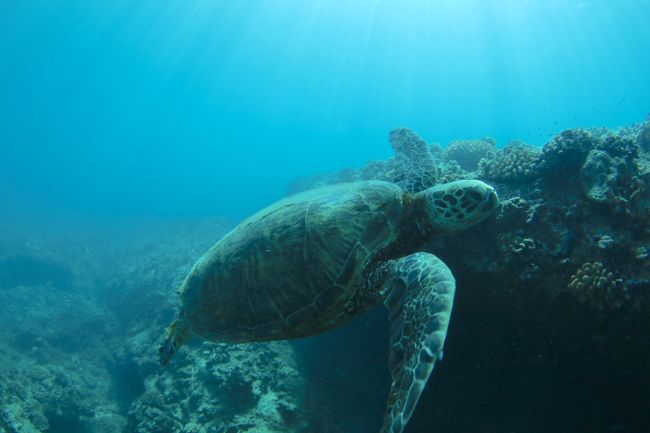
x,y
82,317
550,328
575,219
552,312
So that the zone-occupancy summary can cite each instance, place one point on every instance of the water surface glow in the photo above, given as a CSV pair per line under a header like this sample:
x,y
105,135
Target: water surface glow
x,y
201,107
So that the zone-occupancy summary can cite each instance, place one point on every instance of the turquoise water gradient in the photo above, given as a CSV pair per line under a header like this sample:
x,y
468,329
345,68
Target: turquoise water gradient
x,y
195,108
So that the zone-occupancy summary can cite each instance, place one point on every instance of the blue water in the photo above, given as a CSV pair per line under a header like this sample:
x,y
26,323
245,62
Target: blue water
x,y
119,109
119,114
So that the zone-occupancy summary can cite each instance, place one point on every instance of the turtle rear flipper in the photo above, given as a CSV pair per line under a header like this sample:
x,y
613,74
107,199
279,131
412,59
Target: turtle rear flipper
x,y
419,294
178,333
415,168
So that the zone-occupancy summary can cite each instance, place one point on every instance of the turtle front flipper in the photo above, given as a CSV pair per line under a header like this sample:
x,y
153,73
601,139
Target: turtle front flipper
x,y
419,294
178,333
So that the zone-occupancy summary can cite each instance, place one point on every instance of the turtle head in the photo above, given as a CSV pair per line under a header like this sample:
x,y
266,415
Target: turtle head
x,y
455,206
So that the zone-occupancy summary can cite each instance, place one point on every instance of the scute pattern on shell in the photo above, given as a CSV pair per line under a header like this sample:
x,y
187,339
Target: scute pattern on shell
x,y
289,270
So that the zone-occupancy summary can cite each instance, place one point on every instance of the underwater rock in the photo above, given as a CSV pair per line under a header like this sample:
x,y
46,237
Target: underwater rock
x,y
599,176
73,396
573,226
243,388
610,174
468,153
516,211
563,156
619,146
219,382
596,181
50,322
643,137
545,230
55,363
65,366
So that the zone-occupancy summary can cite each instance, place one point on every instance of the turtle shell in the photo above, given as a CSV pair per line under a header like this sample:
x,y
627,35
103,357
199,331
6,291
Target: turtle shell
x,y
294,268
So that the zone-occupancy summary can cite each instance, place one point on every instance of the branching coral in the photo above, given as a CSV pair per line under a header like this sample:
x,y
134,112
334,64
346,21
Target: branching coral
x,y
565,153
515,212
597,287
468,153
618,146
515,163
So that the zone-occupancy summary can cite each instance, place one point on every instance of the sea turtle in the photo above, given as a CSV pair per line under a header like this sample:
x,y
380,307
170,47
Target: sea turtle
x,y
319,258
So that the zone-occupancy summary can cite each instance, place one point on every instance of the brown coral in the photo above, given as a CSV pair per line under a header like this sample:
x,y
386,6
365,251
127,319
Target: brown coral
x,y
598,288
468,153
565,153
515,163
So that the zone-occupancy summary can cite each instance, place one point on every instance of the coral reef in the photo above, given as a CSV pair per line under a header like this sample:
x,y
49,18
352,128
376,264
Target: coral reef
x,y
643,137
556,283
593,284
609,180
561,204
53,374
79,353
214,388
71,395
377,170
562,157
515,163
611,174
531,302
468,153
244,388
